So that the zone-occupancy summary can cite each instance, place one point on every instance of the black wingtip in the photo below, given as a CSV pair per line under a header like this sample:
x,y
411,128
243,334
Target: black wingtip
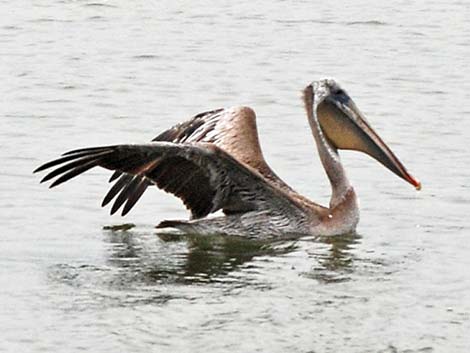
x,y
54,184
87,150
49,176
114,176
59,181
114,209
116,188
47,165
43,180
136,193
104,203
125,211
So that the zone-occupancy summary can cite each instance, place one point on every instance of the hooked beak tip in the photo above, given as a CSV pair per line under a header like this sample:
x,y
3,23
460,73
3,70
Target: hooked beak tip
x,y
415,182
418,187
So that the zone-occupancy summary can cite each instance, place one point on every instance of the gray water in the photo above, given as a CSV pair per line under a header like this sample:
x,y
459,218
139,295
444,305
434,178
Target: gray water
x,y
80,73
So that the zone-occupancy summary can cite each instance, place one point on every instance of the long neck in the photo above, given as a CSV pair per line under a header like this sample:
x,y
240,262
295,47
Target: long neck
x,y
329,157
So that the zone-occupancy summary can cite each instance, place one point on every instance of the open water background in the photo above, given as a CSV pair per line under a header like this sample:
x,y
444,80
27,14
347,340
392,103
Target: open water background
x,y
79,73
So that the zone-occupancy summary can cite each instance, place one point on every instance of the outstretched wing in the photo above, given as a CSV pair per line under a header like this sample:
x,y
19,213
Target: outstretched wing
x,y
204,176
233,130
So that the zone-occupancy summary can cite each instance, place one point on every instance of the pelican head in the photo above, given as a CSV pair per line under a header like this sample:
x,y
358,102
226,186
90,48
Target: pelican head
x,y
345,127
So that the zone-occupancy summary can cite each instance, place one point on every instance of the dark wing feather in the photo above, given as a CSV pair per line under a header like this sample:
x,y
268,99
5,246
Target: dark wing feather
x,y
126,191
179,133
135,195
205,177
116,188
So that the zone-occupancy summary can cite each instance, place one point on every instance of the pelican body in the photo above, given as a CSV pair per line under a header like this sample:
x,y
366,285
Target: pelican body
x,y
214,162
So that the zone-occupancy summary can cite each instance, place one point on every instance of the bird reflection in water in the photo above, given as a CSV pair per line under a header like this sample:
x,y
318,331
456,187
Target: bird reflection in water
x,y
210,259
336,263
186,259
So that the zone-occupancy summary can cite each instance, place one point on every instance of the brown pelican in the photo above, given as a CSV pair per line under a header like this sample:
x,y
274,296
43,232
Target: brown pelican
x,y
214,162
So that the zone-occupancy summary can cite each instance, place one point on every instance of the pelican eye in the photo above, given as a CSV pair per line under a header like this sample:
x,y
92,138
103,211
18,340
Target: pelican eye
x,y
339,92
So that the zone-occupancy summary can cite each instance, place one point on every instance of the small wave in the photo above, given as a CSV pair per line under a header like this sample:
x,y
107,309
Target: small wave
x,y
97,18
146,57
11,28
304,21
99,4
368,23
